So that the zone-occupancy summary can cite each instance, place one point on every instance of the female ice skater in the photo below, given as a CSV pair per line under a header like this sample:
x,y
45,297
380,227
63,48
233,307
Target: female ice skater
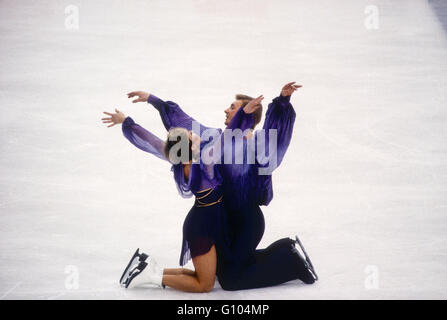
x,y
263,271
205,238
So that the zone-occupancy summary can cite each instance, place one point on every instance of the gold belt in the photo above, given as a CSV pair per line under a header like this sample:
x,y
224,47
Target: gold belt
x,y
203,204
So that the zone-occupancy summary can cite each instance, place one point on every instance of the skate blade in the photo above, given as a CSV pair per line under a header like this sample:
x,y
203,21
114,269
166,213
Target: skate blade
x,y
134,261
307,259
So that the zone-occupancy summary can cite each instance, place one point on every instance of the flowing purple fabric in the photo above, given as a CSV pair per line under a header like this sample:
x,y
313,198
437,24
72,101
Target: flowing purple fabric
x,y
242,182
201,177
173,116
206,224
143,139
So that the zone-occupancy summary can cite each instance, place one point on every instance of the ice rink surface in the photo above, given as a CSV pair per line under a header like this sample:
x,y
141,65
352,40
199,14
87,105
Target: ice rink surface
x,y
364,182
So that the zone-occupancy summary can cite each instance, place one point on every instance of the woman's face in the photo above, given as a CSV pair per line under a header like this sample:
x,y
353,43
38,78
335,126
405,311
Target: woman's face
x,y
231,111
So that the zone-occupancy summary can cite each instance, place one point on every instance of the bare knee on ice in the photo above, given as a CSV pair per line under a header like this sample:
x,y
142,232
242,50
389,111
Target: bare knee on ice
x,y
205,268
206,287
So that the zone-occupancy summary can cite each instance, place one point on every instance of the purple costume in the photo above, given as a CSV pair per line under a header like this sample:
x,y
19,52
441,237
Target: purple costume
x,y
205,224
235,225
258,188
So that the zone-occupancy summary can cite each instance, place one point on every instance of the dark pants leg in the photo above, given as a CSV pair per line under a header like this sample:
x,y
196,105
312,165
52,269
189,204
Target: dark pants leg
x,y
251,268
273,265
246,228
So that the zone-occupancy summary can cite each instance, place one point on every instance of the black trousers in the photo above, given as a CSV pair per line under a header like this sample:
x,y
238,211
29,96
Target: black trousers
x,y
249,267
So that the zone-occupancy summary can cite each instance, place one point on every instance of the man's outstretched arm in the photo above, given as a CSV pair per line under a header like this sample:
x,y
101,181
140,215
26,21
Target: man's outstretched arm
x,y
280,116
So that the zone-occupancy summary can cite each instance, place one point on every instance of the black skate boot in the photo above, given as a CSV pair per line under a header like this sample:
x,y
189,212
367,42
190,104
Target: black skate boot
x,y
134,262
307,263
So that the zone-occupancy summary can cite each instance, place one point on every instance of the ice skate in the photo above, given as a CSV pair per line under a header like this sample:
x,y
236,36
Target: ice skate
x,y
134,261
307,262
145,272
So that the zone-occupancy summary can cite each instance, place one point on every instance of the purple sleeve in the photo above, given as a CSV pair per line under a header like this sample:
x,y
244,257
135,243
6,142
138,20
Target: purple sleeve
x,y
241,120
143,139
280,116
173,116
244,182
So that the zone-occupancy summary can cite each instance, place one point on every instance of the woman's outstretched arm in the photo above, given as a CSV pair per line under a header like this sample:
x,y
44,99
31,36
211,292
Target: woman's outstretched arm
x,y
170,112
137,135
143,139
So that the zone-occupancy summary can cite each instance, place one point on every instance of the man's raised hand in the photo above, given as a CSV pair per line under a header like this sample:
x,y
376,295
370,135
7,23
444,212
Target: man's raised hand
x,y
289,88
141,96
253,105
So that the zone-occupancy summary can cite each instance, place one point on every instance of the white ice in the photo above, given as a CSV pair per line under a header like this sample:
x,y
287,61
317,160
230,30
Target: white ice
x,y
364,182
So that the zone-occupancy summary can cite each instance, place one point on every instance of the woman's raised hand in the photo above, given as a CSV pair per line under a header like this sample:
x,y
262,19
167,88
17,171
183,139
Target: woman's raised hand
x,y
253,105
142,96
115,118
289,88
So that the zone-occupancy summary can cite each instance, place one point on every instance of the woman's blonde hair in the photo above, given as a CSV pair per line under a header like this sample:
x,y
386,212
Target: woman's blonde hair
x,y
177,135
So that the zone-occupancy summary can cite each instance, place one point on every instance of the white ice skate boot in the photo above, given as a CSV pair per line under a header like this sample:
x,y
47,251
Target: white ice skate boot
x,y
146,272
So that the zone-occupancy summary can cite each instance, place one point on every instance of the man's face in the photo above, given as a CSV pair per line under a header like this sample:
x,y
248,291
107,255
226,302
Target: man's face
x,y
231,111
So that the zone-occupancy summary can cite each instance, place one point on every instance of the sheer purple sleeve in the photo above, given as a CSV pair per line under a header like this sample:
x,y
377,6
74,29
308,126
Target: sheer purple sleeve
x,y
278,125
280,116
173,116
251,182
241,120
143,139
